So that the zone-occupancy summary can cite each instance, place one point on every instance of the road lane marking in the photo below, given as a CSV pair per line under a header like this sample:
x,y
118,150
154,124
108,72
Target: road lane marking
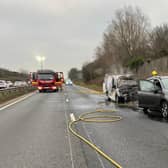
x,y
67,100
17,101
72,116
69,140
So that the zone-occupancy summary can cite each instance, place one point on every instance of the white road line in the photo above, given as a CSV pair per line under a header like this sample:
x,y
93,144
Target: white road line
x,y
72,116
17,101
67,100
89,137
69,140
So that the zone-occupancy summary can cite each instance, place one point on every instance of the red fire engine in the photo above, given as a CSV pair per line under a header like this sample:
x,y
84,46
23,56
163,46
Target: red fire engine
x,y
46,80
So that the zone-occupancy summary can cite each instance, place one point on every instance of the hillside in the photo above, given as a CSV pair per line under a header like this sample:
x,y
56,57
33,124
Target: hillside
x,y
11,75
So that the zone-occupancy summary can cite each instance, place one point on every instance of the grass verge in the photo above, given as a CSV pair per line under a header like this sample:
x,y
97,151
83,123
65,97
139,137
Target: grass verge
x,y
90,86
12,94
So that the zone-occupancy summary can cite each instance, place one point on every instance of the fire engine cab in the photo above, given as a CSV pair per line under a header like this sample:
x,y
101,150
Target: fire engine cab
x,y
47,80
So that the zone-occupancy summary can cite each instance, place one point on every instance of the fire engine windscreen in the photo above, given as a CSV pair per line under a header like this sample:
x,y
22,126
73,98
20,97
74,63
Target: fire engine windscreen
x,y
45,76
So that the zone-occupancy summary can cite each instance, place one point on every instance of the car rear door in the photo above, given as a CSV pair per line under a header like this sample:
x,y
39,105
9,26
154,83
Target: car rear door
x,y
146,94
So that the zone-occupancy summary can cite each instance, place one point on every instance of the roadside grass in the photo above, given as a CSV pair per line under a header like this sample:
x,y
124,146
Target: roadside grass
x,y
96,87
9,95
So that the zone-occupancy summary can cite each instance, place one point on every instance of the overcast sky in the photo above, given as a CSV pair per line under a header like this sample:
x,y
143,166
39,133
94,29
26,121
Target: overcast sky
x,y
65,31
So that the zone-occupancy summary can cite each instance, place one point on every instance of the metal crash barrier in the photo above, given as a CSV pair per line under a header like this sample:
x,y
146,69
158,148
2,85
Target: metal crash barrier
x,y
13,92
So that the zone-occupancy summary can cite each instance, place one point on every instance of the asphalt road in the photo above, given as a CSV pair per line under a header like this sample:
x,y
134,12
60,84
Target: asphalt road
x,y
34,134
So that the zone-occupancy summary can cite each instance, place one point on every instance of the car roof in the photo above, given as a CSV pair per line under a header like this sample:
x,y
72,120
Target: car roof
x,y
157,77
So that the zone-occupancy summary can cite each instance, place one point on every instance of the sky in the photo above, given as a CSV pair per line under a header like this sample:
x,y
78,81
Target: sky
x,y
66,32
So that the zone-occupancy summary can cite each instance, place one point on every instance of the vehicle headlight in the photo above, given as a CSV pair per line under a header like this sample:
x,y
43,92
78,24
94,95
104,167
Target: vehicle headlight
x,y
40,88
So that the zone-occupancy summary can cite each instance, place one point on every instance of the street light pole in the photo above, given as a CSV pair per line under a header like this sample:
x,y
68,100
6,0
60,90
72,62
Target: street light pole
x,y
41,60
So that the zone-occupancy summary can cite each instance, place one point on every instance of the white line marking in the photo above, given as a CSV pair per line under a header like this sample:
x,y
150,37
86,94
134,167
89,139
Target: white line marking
x,y
72,116
17,101
98,156
67,100
69,140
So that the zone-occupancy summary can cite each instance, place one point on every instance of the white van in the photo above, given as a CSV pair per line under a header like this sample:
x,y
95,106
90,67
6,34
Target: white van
x,y
120,88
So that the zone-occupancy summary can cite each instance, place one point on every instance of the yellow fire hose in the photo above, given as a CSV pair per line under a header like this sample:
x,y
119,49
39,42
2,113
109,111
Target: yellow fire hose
x,y
99,116
100,93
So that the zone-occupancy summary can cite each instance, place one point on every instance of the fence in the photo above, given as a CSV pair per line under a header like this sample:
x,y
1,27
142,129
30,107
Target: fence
x,y
160,65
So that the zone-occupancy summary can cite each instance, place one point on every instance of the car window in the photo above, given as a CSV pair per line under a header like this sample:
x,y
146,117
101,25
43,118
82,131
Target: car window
x,y
146,86
157,84
165,83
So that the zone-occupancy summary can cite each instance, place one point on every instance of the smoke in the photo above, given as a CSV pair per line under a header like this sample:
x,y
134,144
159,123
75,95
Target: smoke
x,y
116,69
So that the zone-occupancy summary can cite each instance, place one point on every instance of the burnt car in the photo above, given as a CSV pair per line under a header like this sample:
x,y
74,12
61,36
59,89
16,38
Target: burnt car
x,y
120,88
153,95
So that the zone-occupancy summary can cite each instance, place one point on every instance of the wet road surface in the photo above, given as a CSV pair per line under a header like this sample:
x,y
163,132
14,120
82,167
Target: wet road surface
x,y
137,141
34,134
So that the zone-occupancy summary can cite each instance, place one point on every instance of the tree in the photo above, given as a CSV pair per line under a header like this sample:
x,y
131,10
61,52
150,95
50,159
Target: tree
x,y
130,33
87,71
127,44
125,39
74,74
159,41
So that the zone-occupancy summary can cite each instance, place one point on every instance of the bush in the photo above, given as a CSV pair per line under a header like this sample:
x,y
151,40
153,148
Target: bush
x,y
135,63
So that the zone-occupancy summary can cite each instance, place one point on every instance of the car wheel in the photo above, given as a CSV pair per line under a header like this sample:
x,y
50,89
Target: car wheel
x,y
106,93
109,99
117,100
164,109
145,110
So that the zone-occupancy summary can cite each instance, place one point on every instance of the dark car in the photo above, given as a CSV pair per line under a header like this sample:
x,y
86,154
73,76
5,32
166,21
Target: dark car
x,y
153,95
